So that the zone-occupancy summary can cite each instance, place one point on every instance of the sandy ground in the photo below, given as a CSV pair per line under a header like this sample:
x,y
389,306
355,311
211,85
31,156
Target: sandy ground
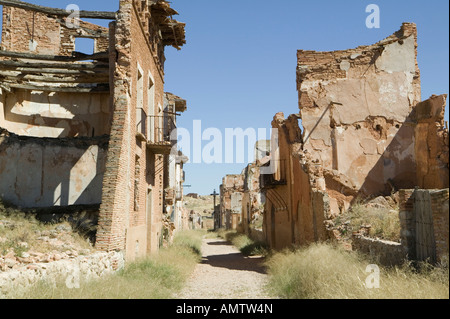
x,y
225,273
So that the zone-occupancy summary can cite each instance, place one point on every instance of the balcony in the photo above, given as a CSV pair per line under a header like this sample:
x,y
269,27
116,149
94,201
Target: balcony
x,y
160,130
277,178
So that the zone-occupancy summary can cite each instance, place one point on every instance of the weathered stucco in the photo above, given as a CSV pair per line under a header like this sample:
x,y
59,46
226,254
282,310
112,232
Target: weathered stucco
x,y
47,173
361,132
355,108
56,115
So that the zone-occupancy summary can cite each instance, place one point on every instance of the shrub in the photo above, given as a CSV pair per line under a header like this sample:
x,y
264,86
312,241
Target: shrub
x,y
323,271
247,246
383,222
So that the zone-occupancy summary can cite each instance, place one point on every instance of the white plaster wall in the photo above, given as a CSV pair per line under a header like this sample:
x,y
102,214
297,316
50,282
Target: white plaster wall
x,y
39,175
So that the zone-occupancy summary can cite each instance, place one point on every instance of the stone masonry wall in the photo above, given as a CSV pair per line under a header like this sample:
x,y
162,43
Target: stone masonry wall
x,y
392,253
440,208
387,253
82,268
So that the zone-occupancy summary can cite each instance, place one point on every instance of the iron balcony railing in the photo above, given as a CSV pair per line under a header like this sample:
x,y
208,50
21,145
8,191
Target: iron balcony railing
x,y
160,129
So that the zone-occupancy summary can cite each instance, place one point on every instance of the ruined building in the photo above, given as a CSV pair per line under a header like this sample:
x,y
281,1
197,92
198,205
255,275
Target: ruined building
x,y
92,130
231,193
362,131
365,133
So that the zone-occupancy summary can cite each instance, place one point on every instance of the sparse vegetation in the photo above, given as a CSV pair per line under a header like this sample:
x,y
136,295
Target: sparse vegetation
x,y
323,271
375,221
156,277
204,205
21,233
247,246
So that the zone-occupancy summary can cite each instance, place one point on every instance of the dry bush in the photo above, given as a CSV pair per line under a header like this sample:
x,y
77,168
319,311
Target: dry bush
x,y
247,246
382,222
323,271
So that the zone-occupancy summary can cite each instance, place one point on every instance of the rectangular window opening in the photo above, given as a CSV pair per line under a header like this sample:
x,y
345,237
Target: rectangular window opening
x,y
85,45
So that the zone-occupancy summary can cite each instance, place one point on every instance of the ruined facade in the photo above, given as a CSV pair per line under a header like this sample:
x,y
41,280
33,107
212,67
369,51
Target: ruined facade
x,y
252,200
90,129
231,194
365,95
241,198
363,131
296,202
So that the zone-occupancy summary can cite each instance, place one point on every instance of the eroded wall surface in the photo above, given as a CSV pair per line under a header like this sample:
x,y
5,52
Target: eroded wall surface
x,y
355,107
53,131
49,172
231,195
432,143
29,31
297,203
55,115
131,214
61,109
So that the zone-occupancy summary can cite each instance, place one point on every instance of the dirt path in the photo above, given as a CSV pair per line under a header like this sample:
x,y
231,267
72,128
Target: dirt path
x,y
225,273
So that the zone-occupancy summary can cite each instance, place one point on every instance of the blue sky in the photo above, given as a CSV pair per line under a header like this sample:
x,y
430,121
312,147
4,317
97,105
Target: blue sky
x,y
238,68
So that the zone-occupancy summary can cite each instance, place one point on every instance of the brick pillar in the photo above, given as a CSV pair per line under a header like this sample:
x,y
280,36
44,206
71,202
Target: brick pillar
x,y
408,222
439,206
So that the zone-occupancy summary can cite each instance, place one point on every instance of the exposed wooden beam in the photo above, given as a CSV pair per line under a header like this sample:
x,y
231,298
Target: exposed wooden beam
x,y
92,78
59,12
102,89
58,71
69,66
58,58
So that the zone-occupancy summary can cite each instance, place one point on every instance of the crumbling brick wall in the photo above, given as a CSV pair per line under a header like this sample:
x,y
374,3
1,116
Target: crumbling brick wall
x,y
30,31
364,95
53,130
431,143
131,215
253,199
439,229
68,111
113,97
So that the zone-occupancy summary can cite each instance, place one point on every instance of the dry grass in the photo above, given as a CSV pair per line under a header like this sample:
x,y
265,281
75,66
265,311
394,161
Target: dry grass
x,y
383,222
323,271
247,246
21,232
157,277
